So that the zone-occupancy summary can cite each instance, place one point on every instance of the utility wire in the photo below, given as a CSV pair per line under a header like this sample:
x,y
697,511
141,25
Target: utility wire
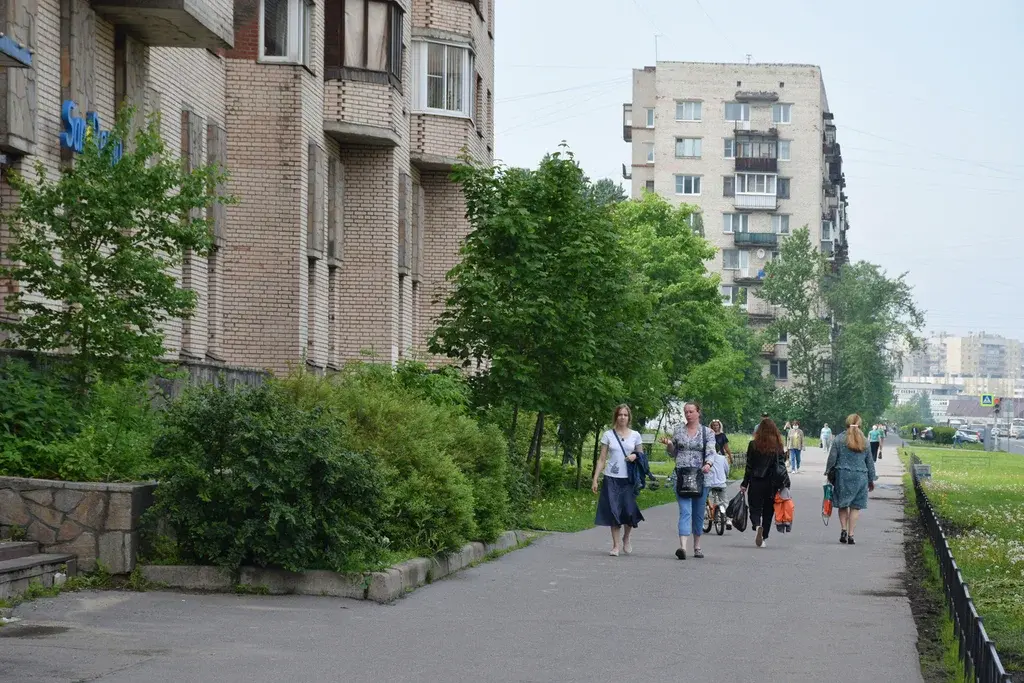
x,y
593,84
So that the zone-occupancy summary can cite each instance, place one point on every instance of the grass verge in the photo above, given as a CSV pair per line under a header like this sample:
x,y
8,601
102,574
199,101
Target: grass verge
x,y
980,499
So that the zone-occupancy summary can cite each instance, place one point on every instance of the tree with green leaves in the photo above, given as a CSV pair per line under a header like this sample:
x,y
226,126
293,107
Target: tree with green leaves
x,y
794,284
93,252
606,191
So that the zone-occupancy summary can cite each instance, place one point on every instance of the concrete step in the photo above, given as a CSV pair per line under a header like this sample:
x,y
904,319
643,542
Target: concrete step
x,y
11,550
16,574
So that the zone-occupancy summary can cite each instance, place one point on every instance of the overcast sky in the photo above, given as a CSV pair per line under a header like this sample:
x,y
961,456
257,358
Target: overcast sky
x,y
927,95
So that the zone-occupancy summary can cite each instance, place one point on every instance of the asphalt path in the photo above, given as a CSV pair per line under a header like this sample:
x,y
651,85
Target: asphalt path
x,y
802,609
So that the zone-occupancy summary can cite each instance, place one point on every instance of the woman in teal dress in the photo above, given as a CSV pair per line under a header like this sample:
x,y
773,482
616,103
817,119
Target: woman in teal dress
x,y
851,470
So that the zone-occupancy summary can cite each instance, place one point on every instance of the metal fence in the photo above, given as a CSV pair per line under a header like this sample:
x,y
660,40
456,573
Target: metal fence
x,y
977,651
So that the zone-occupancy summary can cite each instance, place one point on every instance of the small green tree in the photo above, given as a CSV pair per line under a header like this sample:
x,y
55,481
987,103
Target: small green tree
x,y
93,252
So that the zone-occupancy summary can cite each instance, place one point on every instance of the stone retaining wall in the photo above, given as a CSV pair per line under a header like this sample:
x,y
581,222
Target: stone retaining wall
x,y
92,521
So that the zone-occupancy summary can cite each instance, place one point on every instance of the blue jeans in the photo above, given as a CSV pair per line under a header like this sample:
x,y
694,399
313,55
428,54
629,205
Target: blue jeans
x,y
691,514
794,458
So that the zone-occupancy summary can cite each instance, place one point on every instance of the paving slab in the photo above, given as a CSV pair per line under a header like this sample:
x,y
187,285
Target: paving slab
x,y
803,609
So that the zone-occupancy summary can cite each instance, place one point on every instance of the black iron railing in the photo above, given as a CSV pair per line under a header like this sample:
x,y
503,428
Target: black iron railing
x,y
977,651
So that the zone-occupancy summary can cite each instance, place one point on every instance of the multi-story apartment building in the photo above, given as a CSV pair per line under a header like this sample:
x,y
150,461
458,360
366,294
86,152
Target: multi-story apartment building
x,y
753,147
338,121
976,356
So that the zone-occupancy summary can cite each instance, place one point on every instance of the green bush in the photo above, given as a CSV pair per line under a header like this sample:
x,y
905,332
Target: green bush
x,y
49,431
251,477
944,435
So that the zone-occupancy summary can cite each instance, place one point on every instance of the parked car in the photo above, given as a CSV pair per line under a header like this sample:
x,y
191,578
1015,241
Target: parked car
x,y
969,435
927,435
1016,432
1000,432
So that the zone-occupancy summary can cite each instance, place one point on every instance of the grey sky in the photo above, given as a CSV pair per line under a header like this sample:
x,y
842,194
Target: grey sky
x,y
926,94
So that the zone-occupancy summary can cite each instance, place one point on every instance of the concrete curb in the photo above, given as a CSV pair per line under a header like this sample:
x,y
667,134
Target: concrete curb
x,y
383,586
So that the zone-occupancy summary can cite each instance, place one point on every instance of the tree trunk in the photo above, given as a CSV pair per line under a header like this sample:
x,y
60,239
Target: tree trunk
x,y
579,464
540,448
512,432
597,450
534,446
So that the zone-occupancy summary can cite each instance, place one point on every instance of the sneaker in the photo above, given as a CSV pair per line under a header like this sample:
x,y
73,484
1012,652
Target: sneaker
x,y
759,538
728,525
680,553
627,547
614,552
843,538
764,542
851,540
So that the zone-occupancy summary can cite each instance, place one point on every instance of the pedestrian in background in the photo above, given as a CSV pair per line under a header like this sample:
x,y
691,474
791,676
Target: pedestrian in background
x,y
721,440
764,477
693,447
617,508
876,437
795,444
851,471
826,437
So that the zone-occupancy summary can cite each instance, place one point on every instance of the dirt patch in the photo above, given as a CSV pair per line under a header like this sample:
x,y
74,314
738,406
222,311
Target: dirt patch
x,y
926,608
893,593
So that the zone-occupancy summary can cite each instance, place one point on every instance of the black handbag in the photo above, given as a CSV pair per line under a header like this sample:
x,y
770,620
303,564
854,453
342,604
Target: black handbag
x,y
690,480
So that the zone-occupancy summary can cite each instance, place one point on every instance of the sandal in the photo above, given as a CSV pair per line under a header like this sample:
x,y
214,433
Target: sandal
x,y
698,553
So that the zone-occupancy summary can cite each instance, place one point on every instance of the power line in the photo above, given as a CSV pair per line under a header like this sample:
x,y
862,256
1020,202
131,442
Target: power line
x,y
593,84
727,36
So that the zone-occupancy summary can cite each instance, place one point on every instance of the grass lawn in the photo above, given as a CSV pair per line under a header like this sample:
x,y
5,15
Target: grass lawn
x,y
980,497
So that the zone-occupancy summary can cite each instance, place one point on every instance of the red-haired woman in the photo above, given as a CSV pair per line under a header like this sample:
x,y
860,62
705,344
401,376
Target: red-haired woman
x,y
765,475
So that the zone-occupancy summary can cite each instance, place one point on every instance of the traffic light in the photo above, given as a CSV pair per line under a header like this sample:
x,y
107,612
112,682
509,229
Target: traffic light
x,y
995,406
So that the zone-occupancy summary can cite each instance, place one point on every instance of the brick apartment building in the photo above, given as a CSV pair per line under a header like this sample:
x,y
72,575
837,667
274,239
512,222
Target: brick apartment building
x,y
339,121
753,147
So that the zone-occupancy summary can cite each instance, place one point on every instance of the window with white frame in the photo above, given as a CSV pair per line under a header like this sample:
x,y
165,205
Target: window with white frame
x,y
443,78
285,31
650,117
782,113
688,110
783,150
733,295
363,35
688,148
780,224
688,184
649,152
826,231
755,183
783,189
735,222
730,148
737,111
730,259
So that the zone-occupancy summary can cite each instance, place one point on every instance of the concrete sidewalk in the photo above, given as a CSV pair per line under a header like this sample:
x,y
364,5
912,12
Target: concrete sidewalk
x,y
803,609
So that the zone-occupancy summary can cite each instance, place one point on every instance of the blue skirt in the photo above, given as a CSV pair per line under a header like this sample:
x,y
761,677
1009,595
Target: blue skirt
x,y
617,504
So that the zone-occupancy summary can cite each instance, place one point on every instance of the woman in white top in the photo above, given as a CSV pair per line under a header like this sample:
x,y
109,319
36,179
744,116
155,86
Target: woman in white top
x,y
616,507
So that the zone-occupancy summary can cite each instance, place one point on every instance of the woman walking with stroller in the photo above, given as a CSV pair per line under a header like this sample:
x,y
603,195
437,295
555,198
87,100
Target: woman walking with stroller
x,y
851,471
765,476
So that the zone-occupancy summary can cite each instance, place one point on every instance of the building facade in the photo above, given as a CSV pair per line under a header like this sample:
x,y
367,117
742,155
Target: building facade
x,y
751,146
338,121
974,356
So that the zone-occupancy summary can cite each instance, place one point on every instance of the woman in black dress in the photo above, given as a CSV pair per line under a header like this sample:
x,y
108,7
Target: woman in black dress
x,y
765,476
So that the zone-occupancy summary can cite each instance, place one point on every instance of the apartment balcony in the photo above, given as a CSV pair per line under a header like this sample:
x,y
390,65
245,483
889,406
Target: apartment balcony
x,y
764,202
761,311
757,164
205,24
18,100
768,350
756,239
627,122
748,280
756,96
741,128
828,248
13,55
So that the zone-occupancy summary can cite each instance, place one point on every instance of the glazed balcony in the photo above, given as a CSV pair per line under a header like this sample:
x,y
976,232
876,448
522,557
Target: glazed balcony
x,y
757,164
756,239
627,122
205,24
766,202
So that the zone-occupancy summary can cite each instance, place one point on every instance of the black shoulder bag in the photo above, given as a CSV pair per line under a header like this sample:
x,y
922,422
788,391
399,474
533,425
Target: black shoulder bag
x,y
690,480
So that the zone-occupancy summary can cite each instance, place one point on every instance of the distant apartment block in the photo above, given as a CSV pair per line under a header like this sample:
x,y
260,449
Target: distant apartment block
x,y
753,147
975,356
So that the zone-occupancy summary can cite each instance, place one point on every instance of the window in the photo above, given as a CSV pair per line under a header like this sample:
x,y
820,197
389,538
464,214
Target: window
x,y
783,337
783,192
779,369
730,148
364,35
649,186
649,146
688,110
731,259
650,118
782,113
729,186
285,27
688,147
755,183
733,295
735,222
688,184
780,224
756,149
826,231
737,111
444,78
783,150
